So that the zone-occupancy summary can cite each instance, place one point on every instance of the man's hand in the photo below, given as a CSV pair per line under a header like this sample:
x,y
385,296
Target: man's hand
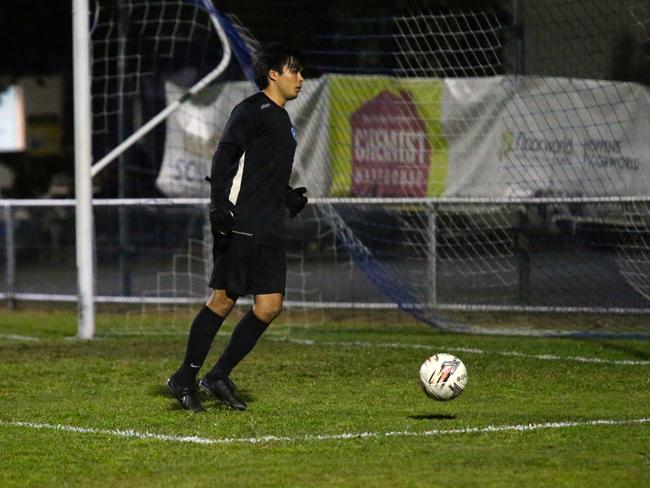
x,y
295,200
222,217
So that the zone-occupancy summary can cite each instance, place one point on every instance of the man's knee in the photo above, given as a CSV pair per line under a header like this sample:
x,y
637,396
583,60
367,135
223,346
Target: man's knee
x,y
220,303
267,311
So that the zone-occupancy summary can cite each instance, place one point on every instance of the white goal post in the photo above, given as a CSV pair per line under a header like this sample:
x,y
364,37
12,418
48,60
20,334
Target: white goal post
x,y
85,170
83,180
452,167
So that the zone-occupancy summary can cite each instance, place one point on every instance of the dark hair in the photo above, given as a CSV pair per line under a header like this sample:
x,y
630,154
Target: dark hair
x,y
274,57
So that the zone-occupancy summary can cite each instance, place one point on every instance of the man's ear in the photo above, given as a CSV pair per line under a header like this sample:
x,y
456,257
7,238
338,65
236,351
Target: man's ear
x,y
273,75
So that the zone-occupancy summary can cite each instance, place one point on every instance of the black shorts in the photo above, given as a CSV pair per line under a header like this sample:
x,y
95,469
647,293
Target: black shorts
x,y
244,267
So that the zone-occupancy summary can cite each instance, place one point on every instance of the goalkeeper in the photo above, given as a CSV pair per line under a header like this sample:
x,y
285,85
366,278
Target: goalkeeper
x,y
249,191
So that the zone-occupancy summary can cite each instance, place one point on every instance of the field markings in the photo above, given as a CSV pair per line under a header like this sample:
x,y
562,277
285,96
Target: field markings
x,y
18,337
280,337
132,434
471,350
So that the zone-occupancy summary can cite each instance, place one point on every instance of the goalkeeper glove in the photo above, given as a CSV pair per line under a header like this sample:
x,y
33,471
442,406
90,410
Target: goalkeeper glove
x,y
222,213
295,200
222,217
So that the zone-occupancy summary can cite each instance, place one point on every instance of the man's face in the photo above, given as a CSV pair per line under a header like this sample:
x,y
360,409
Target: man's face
x,y
288,82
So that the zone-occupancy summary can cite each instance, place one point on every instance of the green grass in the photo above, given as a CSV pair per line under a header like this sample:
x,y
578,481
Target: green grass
x,y
337,384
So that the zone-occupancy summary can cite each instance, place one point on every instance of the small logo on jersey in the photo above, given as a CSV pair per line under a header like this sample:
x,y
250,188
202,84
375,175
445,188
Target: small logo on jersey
x,y
293,133
266,105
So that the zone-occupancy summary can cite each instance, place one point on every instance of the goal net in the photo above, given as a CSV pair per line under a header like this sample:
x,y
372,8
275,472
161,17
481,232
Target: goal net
x,y
474,166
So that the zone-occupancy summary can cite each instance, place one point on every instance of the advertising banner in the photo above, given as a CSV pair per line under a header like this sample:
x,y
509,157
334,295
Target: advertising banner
x,y
193,133
380,136
533,136
385,137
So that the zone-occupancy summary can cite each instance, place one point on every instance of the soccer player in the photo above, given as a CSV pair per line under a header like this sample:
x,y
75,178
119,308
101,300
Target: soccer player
x,y
249,191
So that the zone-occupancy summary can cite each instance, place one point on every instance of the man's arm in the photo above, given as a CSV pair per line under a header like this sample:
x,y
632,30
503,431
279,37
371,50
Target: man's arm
x,y
224,166
222,210
236,135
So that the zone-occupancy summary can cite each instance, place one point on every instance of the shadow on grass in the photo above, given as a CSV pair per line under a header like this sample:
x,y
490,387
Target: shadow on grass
x,y
208,400
159,390
163,391
432,416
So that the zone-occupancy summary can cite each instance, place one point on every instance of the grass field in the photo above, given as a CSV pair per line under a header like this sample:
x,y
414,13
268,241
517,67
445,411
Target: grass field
x,y
330,405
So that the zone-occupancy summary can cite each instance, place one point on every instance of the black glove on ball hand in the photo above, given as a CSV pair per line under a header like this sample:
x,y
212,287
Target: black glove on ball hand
x,y
222,217
295,200
222,211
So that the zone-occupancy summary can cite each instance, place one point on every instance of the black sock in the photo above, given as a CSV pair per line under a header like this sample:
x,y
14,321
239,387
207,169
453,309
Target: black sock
x,y
243,339
204,327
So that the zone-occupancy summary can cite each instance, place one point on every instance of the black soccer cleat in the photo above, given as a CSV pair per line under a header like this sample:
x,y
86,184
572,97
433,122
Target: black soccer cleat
x,y
186,396
224,391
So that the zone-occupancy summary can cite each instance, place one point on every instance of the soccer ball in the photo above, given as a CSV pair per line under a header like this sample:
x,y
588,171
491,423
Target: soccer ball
x,y
443,377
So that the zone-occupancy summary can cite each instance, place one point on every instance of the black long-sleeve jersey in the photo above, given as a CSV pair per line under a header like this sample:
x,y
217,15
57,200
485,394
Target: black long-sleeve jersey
x,y
251,168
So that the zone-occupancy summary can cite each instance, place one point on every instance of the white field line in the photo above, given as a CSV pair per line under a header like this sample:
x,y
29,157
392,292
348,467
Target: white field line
x,y
322,437
391,345
17,337
470,350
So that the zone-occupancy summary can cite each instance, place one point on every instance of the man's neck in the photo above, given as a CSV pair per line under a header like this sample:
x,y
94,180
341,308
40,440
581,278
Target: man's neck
x,y
274,96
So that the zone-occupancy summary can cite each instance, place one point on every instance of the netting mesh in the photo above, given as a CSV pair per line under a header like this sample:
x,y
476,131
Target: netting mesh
x,y
434,260
136,46
507,143
440,45
578,39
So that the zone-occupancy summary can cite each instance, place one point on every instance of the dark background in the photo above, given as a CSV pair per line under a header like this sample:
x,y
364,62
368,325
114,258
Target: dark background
x,y
38,42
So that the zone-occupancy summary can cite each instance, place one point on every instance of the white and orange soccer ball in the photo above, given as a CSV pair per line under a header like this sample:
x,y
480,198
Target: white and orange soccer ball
x,y
443,377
